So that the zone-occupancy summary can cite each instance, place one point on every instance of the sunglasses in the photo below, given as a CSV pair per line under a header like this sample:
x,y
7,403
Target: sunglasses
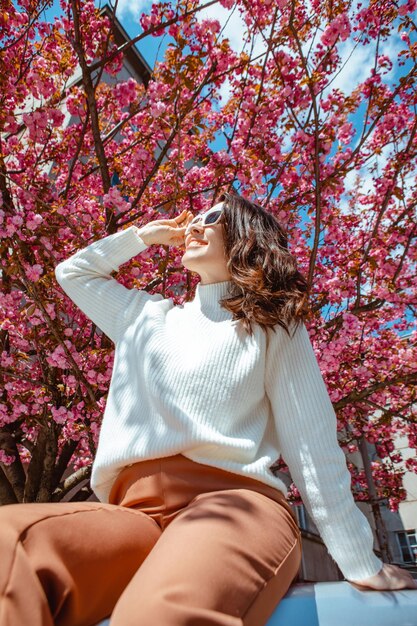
x,y
209,218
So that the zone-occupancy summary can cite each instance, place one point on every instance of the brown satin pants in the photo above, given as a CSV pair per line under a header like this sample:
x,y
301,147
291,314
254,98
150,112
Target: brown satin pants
x,y
180,543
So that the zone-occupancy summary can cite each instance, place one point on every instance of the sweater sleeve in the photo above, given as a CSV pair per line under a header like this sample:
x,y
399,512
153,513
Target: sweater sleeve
x,y
85,278
306,427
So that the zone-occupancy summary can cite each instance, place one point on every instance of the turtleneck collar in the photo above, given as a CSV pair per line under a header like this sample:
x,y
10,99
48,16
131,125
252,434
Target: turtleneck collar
x,y
208,295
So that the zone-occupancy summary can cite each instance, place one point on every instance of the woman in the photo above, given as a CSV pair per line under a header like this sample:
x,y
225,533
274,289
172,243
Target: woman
x,y
192,526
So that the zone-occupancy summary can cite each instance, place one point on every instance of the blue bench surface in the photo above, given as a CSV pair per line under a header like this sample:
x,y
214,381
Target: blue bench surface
x,y
342,604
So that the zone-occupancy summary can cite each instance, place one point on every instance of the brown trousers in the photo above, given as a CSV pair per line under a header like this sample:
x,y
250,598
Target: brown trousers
x,y
180,543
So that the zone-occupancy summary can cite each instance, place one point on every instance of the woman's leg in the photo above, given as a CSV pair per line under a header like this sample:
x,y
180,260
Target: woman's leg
x,y
67,563
226,559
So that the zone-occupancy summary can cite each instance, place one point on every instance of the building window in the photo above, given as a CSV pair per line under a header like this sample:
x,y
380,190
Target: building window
x,y
407,540
301,516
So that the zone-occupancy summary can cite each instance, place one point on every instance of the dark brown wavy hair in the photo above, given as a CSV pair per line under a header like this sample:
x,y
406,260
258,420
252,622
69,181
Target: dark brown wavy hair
x,y
268,289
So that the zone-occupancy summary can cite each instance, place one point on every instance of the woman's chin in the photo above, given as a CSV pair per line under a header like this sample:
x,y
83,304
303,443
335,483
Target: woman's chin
x,y
187,261
190,255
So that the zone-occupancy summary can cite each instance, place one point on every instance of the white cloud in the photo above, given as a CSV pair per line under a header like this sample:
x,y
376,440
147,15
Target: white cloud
x,y
366,182
356,64
127,8
357,61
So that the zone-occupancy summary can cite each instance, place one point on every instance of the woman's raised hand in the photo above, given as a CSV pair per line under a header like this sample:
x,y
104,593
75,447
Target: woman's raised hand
x,y
166,232
389,578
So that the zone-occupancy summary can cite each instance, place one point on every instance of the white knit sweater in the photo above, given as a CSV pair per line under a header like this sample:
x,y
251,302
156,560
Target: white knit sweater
x,y
187,379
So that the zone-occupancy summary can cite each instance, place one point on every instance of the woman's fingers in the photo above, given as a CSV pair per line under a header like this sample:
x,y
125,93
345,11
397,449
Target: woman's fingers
x,y
391,578
401,577
183,218
170,231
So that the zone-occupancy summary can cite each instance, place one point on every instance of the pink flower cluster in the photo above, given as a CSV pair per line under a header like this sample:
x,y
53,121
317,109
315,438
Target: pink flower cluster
x,y
114,200
126,92
34,272
411,465
41,121
6,459
58,358
158,15
339,27
408,7
61,415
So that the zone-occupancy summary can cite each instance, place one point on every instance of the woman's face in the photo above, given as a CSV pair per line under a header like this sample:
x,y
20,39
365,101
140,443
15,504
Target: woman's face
x,y
204,252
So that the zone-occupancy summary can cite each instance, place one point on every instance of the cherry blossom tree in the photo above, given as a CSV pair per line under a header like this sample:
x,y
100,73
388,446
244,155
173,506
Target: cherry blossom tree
x,y
337,168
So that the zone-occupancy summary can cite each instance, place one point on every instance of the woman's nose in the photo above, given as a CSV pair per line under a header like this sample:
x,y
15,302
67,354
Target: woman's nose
x,y
196,227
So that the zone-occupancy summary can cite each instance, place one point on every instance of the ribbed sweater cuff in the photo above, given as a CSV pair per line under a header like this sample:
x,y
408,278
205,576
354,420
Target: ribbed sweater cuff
x,y
358,566
125,245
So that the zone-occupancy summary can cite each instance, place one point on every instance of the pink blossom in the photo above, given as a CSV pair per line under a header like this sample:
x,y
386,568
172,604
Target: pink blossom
x,y
34,220
408,7
114,199
58,358
411,465
126,92
56,116
157,109
34,272
59,414
6,459
345,132
6,417
340,26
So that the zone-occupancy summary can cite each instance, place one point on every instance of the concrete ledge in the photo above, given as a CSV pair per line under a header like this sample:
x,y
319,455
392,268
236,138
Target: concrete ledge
x,y
342,604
